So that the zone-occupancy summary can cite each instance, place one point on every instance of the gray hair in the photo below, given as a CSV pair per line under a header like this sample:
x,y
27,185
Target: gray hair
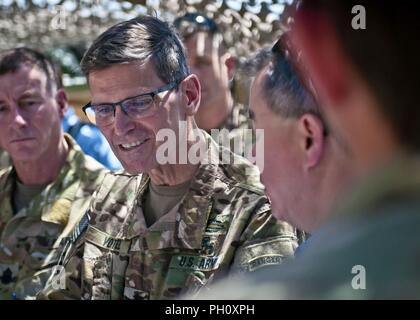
x,y
284,92
137,40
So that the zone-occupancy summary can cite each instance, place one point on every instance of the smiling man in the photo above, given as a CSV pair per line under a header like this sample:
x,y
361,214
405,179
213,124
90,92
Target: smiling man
x,y
49,172
166,229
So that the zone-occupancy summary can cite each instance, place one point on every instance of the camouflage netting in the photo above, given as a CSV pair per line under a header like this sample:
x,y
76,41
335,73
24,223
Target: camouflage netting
x,y
246,24
64,28
55,23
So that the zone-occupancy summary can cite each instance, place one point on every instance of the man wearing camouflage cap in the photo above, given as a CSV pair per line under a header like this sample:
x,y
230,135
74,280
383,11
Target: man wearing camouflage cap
x,y
49,176
177,226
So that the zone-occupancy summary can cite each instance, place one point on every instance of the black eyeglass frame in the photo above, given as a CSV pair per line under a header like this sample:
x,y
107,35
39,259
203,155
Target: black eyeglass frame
x,y
120,103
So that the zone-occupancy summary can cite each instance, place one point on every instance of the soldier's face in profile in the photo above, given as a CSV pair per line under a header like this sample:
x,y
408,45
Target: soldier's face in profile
x,y
134,140
30,116
281,174
304,170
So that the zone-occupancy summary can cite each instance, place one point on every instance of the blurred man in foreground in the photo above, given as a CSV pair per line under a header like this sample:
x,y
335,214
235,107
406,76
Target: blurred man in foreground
x,y
210,59
368,248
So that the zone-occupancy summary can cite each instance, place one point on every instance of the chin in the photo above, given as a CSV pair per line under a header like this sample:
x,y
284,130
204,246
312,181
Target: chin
x,y
24,155
137,168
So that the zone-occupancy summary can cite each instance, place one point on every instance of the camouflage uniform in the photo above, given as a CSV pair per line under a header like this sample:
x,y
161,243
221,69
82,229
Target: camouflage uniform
x,y
4,159
369,249
222,225
28,236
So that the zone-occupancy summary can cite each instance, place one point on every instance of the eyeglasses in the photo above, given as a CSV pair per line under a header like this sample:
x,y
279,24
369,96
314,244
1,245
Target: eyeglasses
x,y
137,107
197,19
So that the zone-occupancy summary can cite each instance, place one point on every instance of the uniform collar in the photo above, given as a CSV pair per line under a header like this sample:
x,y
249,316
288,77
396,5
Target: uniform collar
x,y
45,205
194,209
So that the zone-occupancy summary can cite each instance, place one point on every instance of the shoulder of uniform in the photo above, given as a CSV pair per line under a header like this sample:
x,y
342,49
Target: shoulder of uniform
x,y
91,164
120,184
244,174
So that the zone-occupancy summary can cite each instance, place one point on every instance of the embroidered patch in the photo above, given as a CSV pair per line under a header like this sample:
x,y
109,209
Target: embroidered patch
x,y
262,261
198,263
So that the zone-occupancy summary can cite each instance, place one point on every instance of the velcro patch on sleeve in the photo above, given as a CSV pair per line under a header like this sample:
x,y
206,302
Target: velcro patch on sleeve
x,y
262,261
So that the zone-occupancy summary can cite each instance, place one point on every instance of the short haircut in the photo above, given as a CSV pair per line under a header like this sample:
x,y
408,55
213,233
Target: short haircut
x,y
11,60
136,41
282,88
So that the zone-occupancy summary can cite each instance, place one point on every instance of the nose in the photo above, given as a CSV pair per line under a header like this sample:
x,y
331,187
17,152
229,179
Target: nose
x,y
123,124
18,118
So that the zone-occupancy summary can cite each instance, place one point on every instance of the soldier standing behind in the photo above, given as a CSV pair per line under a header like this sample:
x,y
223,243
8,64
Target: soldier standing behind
x,y
209,58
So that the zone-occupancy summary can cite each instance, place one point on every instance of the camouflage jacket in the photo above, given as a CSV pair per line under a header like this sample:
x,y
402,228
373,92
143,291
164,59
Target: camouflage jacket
x,y
222,225
4,159
30,235
369,249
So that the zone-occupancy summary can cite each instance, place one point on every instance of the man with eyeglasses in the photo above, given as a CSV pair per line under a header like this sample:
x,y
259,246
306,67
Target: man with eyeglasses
x,y
47,188
162,229
209,58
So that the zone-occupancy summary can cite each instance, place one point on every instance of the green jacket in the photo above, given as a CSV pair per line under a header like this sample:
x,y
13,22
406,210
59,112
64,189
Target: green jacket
x,y
222,225
28,237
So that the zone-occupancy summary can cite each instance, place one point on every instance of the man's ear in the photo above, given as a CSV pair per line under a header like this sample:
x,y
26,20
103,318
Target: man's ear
x,y
230,63
191,91
311,131
62,102
314,36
